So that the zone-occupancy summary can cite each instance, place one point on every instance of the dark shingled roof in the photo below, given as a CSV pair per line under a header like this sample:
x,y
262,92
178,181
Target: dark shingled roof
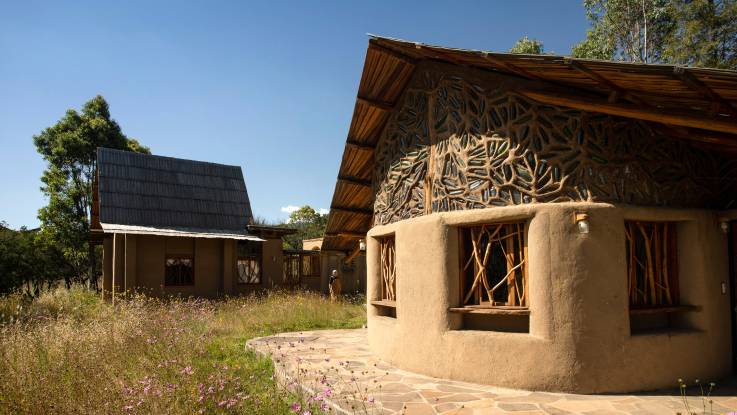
x,y
164,192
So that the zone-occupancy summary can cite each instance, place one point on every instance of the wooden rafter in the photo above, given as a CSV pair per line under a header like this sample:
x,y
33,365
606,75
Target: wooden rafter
x,y
352,254
359,146
511,67
355,211
354,181
563,99
382,105
390,52
694,83
615,92
347,234
728,141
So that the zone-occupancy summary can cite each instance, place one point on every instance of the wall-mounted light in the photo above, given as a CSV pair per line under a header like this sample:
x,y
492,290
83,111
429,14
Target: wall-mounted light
x,y
362,245
581,220
724,225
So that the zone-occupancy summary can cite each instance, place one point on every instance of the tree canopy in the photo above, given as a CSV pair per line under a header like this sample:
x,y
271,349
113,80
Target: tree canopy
x,y
686,32
309,224
527,45
70,150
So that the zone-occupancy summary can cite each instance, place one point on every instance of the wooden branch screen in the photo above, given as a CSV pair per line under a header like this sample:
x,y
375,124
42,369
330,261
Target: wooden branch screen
x,y
388,269
652,264
298,265
291,269
459,143
494,265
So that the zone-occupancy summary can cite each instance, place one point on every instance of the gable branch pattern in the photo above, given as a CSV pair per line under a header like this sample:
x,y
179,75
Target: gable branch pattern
x,y
456,143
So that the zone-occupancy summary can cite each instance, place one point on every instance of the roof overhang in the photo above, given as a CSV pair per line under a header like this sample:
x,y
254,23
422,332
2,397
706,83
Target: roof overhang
x,y
109,228
697,104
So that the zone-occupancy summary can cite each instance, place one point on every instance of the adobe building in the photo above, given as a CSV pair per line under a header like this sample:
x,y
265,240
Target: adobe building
x,y
542,222
351,267
180,227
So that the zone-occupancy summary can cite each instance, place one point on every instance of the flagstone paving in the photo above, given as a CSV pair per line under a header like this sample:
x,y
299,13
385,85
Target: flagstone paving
x,y
337,366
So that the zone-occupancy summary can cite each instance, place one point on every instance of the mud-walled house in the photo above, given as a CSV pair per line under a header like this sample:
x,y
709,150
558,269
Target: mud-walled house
x,y
179,227
542,222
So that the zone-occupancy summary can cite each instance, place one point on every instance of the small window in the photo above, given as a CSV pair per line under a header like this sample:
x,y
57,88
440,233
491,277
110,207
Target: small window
x,y
652,264
494,265
388,269
291,269
249,262
179,270
249,271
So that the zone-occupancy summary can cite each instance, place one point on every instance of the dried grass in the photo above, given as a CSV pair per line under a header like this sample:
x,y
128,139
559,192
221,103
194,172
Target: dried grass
x,y
69,352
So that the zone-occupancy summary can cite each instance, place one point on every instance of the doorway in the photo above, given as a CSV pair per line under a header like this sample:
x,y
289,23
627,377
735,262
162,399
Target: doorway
x,y
732,249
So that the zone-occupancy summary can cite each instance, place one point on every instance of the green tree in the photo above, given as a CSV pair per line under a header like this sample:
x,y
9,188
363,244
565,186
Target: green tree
x,y
705,34
630,30
688,32
69,148
27,262
527,45
309,224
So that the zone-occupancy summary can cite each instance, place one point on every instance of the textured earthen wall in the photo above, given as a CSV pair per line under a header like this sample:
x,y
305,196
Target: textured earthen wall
x,y
579,338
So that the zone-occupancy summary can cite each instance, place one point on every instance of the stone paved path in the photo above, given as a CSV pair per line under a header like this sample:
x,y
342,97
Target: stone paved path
x,y
338,363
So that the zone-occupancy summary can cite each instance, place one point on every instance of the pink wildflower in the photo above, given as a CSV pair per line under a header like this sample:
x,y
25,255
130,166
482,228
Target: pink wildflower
x,y
188,370
296,407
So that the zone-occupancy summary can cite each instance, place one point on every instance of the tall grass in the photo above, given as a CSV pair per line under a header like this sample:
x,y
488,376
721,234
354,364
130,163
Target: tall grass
x,y
69,352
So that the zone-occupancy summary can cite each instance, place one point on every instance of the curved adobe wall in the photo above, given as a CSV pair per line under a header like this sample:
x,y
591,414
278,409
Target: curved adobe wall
x,y
579,338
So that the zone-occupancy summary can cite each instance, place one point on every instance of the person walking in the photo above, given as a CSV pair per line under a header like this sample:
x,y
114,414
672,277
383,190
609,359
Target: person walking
x,y
334,285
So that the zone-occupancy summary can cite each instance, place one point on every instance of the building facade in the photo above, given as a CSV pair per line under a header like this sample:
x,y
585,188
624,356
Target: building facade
x,y
528,227
180,227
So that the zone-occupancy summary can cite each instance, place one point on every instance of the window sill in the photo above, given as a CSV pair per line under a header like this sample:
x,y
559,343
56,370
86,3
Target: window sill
x,y
497,310
665,310
668,332
384,303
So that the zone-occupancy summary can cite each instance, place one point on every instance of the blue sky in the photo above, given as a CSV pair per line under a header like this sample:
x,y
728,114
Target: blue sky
x,y
269,86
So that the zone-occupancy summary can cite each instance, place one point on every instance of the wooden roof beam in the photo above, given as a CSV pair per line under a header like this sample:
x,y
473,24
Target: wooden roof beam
x,y
511,67
694,83
615,91
354,181
700,136
355,211
347,234
359,146
384,106
391,52
353,254
563,99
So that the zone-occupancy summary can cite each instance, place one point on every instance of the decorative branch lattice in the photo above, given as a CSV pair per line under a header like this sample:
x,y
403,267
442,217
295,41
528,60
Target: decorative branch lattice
x,y
652,267
388,269
456,144
494,267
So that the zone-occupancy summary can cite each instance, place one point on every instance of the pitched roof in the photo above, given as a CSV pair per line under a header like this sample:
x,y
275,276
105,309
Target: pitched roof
x,y
696,104
145,193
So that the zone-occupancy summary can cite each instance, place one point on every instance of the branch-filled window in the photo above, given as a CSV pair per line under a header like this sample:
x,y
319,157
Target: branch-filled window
x,y
388,264
652,264
310,265
179,270
249,262
494,265
291,268
299,264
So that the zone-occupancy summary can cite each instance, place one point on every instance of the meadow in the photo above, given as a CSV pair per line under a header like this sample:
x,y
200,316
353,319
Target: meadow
x,y
70,352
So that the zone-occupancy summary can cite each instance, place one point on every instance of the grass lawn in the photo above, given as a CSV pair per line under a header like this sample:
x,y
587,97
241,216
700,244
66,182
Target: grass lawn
x,y
70,352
